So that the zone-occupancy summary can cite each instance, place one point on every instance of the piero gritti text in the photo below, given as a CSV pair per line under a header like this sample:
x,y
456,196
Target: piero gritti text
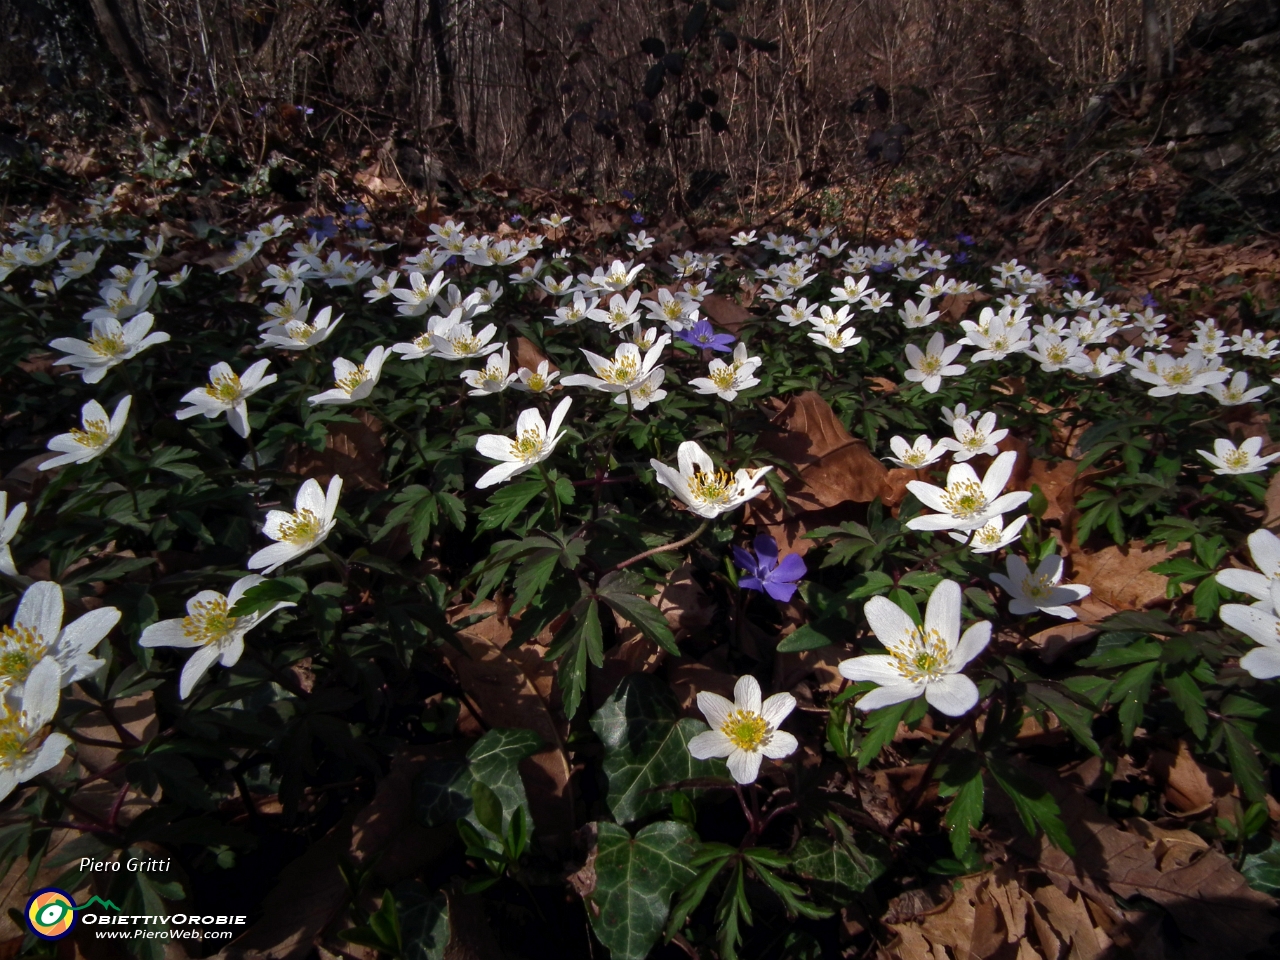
x,y
132,865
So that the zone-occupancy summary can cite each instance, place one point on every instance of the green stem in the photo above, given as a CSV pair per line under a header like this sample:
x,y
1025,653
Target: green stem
x,y
409,437
551,491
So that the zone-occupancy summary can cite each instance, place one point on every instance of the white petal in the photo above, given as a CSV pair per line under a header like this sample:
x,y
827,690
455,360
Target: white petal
x,y
954,694
710,744
889,622
942,614
715,708
877,668
781,744
746,694
777,708
745,765
887,696
195,668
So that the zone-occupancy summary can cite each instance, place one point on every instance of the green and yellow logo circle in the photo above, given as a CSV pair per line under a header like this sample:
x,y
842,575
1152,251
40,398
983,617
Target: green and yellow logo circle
x,y
51,913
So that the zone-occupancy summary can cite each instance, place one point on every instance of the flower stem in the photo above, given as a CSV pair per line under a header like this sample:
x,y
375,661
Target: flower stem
x,y
665,548
551,491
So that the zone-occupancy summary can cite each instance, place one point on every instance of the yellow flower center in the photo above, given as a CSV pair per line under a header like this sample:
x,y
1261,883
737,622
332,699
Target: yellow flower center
x,y
108,345
464,346
914,457
1178,376
21,648
303,527
923,656
208,621
353,379
989,535
965,499
622,371
96,433
1036,588
722,378
975,441
931,364
1237,459
537,383
1058,353
14,738
528,445
224,387
714,487
300,332
745,730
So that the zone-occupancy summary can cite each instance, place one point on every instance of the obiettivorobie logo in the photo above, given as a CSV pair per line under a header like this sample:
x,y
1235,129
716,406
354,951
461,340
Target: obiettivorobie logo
x,y
51,913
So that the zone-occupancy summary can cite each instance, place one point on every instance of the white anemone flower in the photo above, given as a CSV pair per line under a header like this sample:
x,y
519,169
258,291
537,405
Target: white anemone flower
x,y
494,378
922,661
575,311
917,315
37,634
381,287
837,341
744,731
9,524
705,490
23,754
209,630
923,453
1040,591
1053,352
301,531
615,279
1236,392
1261,625
459,343
97,434
1230,460
627,370
535,381
929,366
992,535
798,313
1264,548
534,442
353,381
1186,375
227,393
970,440
622,312
300,335
727,380
647,392
967,503
421,294
110,343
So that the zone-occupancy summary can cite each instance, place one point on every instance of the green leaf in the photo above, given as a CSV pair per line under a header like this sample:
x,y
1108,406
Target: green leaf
x,y
582,640
807,637
646,746
619,591
488,808
495,760
443,792
424,922
836,871
965,813
635,880
1189,698
267,594
1076,718
1262,869
1245,766
1131,691
1033,802
507,503
880,726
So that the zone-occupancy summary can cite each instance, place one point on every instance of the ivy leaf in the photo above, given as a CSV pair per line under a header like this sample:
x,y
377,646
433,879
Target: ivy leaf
x,y
448,790
424,922
646,745
1262,869
635,880
836,871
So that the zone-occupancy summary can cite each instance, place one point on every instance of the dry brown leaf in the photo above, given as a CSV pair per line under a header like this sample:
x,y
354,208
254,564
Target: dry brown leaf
x,y
505,687
528,355
724,312
1121,576
1189,786
353,451
1271,519
1217,913
1052,642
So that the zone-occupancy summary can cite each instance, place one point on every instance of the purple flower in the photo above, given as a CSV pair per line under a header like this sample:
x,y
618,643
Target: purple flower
x,y
964,239
1149,301
883,266
765,573
1072,281
637,218
628,194
323,227
704,335
305,111
962,257
516,218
